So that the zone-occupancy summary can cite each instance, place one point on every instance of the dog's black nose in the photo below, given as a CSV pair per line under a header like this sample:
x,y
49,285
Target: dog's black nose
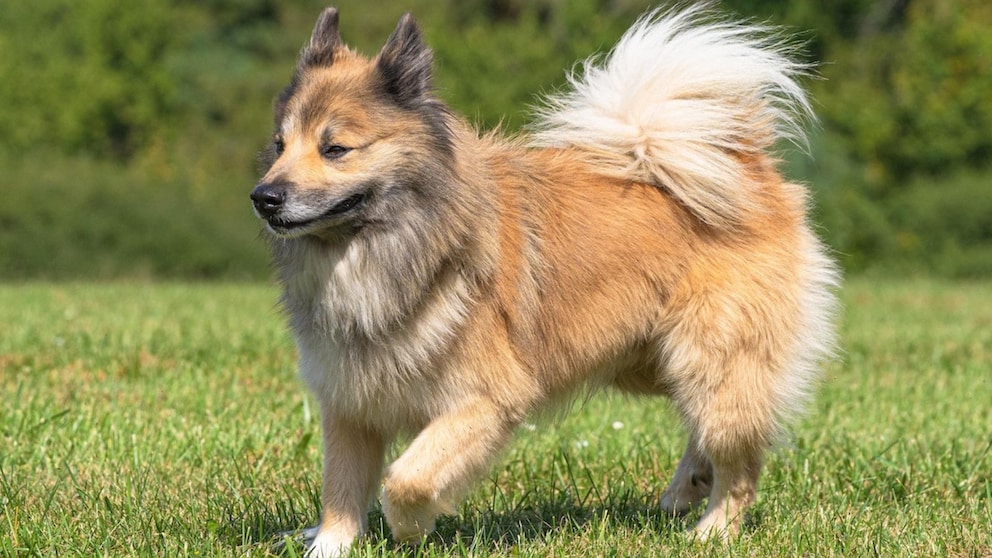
x,y
268,199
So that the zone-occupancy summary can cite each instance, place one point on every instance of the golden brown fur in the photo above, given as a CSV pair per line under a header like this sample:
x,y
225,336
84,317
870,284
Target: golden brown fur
x,y
446,285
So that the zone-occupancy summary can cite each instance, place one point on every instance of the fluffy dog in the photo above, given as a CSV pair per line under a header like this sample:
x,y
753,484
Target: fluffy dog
x,y
445,284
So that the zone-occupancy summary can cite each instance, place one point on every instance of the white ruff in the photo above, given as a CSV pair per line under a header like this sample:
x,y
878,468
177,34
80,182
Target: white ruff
x,y
358,349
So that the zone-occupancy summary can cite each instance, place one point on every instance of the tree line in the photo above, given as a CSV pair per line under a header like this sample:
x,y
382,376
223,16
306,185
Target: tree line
x,y
130,128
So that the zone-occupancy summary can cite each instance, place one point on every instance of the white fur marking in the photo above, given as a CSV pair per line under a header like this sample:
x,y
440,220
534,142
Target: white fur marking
x,y
675,102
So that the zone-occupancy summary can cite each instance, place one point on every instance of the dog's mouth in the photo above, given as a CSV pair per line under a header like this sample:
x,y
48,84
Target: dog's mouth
x,y
336,211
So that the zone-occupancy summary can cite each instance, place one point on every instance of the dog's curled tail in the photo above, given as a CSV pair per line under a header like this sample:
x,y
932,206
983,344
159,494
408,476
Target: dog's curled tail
x,y
683,101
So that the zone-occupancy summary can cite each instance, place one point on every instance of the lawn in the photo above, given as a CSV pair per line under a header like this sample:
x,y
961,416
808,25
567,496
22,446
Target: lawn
x,y
167,420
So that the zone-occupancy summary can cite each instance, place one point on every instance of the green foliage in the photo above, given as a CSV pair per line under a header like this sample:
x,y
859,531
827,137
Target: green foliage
x,y
100,225
913,99
121,102
90,76
504,55
166,420
945,223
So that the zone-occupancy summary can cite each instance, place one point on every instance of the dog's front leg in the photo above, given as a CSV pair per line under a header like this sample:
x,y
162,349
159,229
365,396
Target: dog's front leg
x,y
353,460
440,465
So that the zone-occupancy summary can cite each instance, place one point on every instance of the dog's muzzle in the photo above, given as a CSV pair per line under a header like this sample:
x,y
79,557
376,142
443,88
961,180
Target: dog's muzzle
x,y
273,203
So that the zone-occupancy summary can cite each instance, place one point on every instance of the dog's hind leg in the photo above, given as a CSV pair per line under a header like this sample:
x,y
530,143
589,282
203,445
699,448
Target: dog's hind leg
x,y
725,371
692,481
440,464
353,460
731,419
735,482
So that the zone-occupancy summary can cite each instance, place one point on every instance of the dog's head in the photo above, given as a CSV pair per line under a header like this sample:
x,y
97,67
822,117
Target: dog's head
x,y
355,138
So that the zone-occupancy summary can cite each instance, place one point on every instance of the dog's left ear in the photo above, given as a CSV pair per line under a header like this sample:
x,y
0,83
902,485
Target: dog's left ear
x,y
405,63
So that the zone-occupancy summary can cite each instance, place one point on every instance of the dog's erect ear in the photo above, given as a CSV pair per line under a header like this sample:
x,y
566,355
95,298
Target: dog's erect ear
x,y
405,63
323,42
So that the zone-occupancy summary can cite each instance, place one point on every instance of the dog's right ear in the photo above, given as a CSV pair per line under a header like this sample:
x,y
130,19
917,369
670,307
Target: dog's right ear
x,y
405,62
324,41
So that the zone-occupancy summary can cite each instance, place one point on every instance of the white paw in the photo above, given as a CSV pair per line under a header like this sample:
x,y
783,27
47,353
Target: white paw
x,y
328,545
713,527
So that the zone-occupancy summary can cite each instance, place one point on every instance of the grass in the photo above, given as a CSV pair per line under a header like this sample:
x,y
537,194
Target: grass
x,y
166,420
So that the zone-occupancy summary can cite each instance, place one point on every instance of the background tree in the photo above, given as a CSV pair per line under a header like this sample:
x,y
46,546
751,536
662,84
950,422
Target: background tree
x,y
128,130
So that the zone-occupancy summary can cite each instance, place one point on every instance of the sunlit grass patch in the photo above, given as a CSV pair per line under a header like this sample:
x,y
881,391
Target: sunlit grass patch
x,y
167,420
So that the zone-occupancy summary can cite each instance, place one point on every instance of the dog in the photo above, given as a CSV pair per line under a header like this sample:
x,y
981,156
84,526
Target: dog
x,y
445,284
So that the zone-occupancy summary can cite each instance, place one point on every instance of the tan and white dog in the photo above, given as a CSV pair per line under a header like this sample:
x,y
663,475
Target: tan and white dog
x,y
445,285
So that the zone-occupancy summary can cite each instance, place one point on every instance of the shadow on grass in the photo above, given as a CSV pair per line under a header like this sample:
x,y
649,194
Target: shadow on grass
x,y
537,517
563,507
502,530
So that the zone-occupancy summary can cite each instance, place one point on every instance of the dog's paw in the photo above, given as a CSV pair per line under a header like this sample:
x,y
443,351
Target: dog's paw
x,y
409,524
315,543
705,533
299,537
717,526
680,502
328,545
684,494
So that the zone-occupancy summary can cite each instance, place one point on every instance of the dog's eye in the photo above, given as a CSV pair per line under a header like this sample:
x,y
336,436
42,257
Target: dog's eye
x,y
333,151
278,145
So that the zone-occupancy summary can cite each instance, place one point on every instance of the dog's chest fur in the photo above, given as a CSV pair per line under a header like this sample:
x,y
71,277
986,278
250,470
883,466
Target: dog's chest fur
x,y
365,344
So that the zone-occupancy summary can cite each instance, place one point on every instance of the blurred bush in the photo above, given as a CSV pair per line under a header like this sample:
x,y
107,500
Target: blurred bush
x,y
128,129
83,218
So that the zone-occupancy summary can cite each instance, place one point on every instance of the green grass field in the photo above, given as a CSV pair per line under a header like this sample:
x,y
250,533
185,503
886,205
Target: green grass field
x,y
167,420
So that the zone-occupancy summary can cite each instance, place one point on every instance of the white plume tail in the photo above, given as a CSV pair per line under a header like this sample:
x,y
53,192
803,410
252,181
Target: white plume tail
x,y
681,102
